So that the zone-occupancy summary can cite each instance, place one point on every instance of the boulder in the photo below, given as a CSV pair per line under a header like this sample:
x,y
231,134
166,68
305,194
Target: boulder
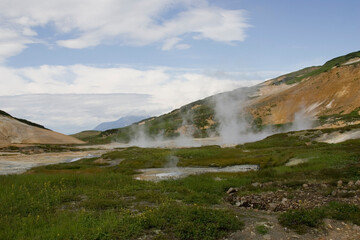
x,y
231,190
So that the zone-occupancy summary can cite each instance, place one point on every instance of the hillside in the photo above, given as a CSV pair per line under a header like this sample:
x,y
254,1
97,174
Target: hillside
x,y
326,95
16,131
331,92
121,122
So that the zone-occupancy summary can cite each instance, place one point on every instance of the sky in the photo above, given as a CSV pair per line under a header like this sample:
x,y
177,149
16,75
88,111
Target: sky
x,y
72,64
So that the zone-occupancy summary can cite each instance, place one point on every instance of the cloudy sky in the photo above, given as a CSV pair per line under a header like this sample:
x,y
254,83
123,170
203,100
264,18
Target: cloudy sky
x,y
72,64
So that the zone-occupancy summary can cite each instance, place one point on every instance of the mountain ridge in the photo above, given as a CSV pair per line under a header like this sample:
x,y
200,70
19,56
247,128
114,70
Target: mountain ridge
x,y
329,90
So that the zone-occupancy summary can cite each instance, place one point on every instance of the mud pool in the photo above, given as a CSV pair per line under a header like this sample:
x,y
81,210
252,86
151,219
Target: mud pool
x,y
18,163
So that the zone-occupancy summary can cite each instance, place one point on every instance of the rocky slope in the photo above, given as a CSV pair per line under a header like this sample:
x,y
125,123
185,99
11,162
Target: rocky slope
x,y
335,91
14,131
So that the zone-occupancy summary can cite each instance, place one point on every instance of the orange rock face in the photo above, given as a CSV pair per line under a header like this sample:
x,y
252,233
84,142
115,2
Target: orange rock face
x,y
332,92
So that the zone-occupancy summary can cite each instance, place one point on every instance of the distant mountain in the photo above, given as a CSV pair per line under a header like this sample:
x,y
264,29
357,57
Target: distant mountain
x,y
120,123
20,131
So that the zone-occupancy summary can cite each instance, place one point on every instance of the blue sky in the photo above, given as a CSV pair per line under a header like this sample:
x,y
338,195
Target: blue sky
x,y
164,53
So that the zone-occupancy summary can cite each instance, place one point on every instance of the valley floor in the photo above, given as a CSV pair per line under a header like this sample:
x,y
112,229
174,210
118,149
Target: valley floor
x,y
303,190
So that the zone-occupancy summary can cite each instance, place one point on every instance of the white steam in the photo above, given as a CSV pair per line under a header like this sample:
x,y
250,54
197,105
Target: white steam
x,y
235,125
302,120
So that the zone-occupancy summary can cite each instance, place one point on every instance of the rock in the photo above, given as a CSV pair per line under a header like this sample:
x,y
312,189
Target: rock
x,y
267,237
272,206
238,204
356,227
283,201
305,185
339,183
351,183
256,184
333,193
324,185
357,183
268,184
231,190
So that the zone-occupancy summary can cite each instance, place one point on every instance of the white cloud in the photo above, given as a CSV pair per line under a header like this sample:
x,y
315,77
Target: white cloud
x,y
173,43
13,41
142,22
78,97
71,113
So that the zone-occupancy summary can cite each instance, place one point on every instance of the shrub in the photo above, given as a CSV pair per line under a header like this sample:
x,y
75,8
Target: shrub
x,y
300,220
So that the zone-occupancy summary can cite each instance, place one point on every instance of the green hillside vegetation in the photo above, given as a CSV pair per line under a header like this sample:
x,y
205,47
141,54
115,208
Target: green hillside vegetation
x,y
200,115
336,62
86,134
351,117
91,199
289,78
195,114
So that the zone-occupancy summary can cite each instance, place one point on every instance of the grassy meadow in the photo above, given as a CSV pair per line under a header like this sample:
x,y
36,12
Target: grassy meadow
x,y
91,199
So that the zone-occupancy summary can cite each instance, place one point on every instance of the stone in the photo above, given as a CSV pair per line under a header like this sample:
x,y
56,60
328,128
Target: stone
x,y
357,183
256,184
231,190
351,183
333,193
339,183
268,184
238,204
323,185
272,206
305,185
267,237
283,201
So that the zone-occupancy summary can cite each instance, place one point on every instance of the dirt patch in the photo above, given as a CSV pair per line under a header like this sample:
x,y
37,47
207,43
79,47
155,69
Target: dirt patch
x,y
336,137
158,174
335,230
285,198
196,106
296,161
351,61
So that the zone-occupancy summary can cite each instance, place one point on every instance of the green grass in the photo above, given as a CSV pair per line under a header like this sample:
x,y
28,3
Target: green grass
x,y
261,229
290,77
98,206
336,62
87,200
303,219
191,222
